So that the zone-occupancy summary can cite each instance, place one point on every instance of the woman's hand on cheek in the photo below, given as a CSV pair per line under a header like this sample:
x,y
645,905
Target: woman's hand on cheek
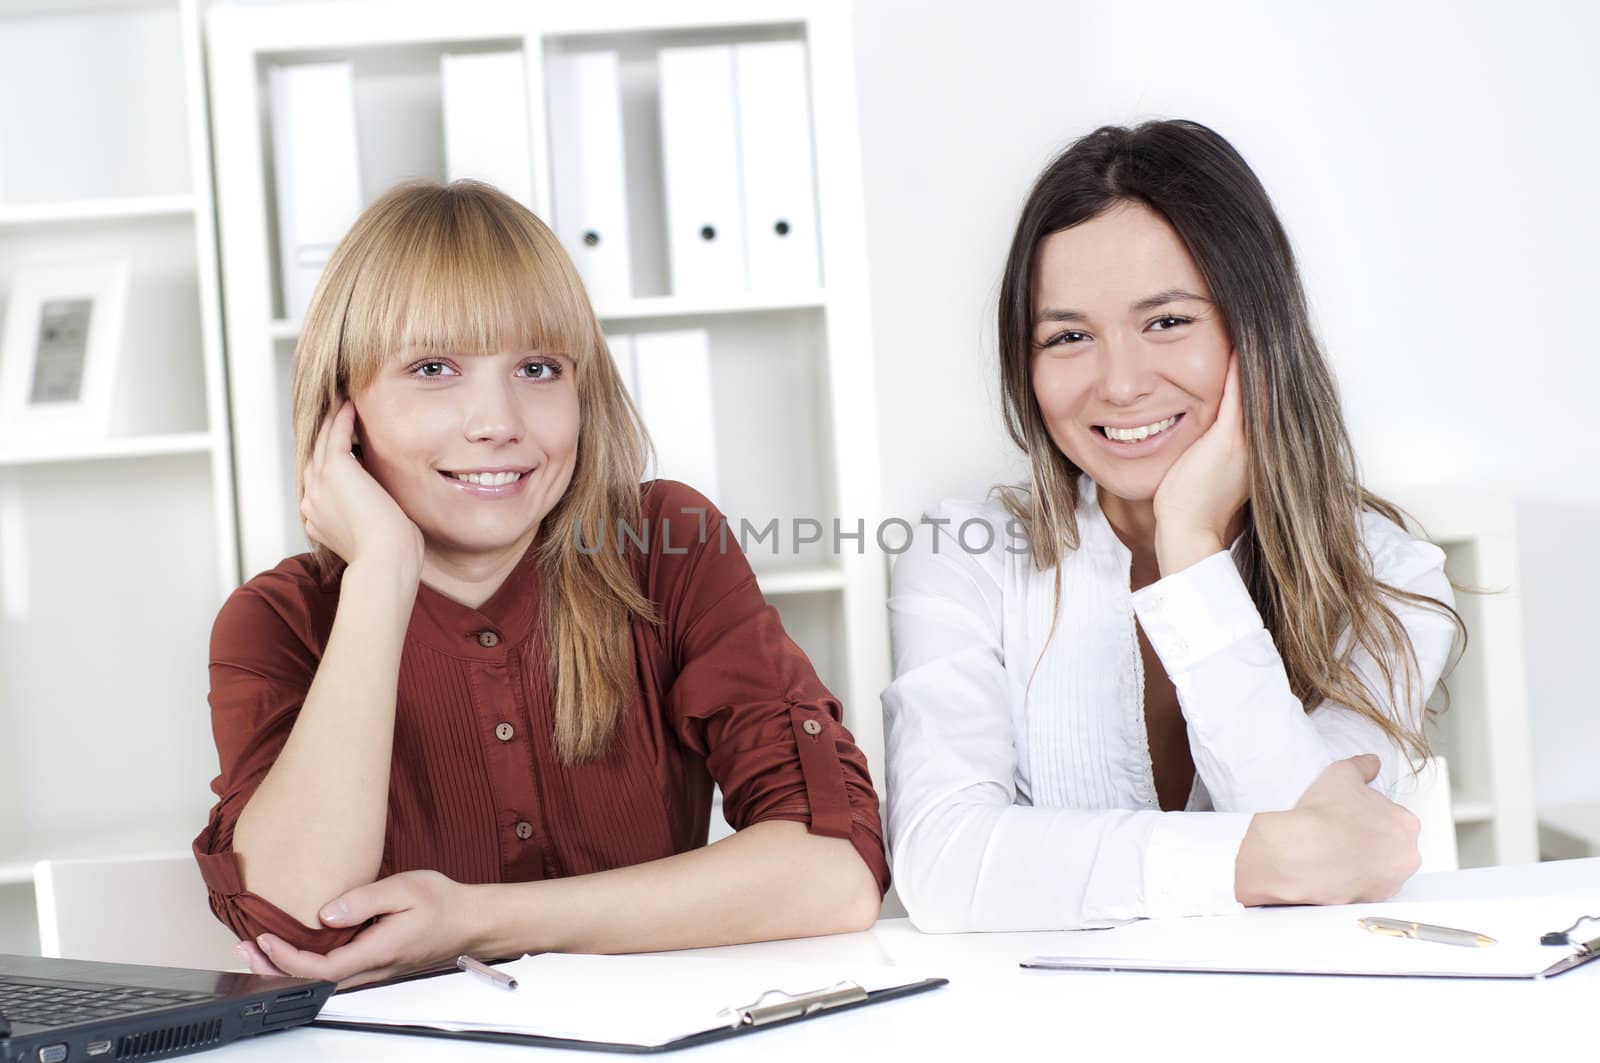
x,y
1206,487
423,921
348,511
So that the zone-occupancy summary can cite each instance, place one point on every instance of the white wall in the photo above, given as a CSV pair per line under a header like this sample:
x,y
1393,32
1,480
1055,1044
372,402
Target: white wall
x,y
1433,163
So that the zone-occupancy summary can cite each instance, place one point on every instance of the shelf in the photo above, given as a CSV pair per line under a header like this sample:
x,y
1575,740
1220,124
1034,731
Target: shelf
x,y
43,452
661,306
93,210
1469,811
706,306
800,581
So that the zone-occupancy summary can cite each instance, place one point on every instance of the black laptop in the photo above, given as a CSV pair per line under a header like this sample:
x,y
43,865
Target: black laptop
x,y
62,1011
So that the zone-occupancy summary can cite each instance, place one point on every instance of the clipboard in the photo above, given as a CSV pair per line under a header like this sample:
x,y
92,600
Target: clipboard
x,y
1335,942
769,1009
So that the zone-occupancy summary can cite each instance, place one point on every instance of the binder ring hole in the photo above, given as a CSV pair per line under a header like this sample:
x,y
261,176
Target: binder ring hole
x,y
781,228
591,238
708,232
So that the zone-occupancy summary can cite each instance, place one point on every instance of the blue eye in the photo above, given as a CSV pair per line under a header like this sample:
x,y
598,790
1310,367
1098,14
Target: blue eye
x,y
431,369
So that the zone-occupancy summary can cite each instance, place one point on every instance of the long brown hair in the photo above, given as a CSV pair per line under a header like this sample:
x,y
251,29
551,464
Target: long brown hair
x,y
1303,556
465,269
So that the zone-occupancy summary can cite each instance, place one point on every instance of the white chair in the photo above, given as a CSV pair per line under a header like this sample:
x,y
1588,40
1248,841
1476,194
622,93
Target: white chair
x,y
1427,796
146,910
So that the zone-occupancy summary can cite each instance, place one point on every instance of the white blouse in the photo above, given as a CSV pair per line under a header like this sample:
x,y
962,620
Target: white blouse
x,y
1013,808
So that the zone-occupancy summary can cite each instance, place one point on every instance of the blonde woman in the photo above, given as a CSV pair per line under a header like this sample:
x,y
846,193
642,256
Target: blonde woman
x,y
1179,670
486,714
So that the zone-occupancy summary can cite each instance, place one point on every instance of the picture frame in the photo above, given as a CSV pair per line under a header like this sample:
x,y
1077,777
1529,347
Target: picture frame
x,y
63,339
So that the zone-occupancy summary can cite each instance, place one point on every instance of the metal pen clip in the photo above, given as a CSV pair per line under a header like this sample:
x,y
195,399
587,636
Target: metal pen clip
x,y
792,1005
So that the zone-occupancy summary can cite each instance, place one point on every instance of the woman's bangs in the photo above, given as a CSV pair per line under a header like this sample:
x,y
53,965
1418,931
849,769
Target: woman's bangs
x,y
467,290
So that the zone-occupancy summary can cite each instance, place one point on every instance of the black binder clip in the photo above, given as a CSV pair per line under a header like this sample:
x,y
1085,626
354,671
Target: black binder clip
x,y
764,1010
1587,939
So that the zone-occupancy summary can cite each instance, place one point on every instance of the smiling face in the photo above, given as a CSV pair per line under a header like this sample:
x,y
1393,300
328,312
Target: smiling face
x,y
1129,353
476,449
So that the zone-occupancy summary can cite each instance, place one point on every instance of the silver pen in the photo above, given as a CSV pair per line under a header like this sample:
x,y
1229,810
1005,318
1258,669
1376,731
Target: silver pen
x,y
1404,928
483,970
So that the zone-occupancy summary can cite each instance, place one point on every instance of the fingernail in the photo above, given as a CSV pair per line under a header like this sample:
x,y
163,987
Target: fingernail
x,y
242,951
334,912
262,941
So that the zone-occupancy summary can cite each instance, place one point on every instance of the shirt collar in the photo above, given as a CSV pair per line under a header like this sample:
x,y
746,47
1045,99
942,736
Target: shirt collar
x,y
506,619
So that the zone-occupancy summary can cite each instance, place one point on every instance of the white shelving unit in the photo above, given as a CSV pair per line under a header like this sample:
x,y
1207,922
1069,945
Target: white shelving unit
x,y
115,552
1484,733
791,371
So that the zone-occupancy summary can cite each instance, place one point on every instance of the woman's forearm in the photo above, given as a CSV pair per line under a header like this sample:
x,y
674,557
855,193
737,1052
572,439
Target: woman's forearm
x,y
315,826
771,880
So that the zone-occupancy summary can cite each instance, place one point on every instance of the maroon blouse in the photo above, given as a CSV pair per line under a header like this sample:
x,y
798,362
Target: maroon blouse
x,y
476,790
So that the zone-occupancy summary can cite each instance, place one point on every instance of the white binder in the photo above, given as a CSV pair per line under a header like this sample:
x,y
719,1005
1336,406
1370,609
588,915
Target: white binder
x,y
674,395
700,157
486,121
316,168
584,95
780,202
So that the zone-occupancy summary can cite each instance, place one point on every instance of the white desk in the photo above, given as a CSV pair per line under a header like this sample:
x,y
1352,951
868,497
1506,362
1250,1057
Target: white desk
x,y
994,1009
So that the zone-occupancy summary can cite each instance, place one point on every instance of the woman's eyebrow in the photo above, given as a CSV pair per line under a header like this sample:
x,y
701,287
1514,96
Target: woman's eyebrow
x,y
1161,298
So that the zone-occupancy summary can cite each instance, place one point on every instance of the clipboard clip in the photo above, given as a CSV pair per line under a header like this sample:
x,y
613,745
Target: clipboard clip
x,y
764,1009
1586,926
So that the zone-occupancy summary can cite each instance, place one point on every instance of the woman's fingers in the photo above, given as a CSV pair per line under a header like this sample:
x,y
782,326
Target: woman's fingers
x,y
255,959
383,897
320,447
343,430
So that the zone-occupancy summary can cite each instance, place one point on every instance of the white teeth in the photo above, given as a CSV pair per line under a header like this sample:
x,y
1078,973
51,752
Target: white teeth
x,y
1133,435
488,479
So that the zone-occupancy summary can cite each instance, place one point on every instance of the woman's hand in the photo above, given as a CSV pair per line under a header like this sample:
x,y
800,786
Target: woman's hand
x,y
1342,843
1206,487
348,511
423,922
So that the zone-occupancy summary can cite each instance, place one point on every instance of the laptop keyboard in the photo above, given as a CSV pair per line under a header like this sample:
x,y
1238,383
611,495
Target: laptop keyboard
x,y
64,1005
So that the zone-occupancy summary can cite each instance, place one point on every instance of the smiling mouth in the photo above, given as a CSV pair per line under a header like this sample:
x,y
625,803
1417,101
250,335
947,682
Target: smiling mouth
x,y
1142,432
484,479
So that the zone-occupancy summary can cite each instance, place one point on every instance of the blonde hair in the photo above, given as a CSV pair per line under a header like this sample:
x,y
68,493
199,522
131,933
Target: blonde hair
x,y
1303,557
464,269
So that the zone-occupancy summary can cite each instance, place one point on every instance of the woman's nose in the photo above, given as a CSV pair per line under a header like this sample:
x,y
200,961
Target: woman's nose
x,y
494,416
1126,375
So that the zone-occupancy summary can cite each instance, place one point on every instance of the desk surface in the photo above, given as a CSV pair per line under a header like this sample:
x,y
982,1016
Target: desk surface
x,y
993,1007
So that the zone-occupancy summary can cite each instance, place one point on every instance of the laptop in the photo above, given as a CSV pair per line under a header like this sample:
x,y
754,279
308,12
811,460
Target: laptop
x,y
63,1011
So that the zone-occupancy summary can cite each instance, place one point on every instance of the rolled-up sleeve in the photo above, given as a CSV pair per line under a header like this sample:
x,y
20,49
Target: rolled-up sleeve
x,y
747,699
262,663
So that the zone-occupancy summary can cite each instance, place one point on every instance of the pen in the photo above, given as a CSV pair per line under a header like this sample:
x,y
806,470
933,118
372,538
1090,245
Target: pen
x,y
483,970
1404,928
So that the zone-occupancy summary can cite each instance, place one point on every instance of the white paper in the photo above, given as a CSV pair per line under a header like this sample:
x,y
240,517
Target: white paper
x,y
1328,940
317,171
700,168
635,1000
673,372
584,91
780,209
486,121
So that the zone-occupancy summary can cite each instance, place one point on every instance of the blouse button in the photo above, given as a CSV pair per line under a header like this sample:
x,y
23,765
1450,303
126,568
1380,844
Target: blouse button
x,y
811,727
524,830
488,639
504,732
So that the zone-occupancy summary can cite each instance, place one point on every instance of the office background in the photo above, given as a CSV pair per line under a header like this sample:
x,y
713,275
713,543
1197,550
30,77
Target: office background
x,y
1426,159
